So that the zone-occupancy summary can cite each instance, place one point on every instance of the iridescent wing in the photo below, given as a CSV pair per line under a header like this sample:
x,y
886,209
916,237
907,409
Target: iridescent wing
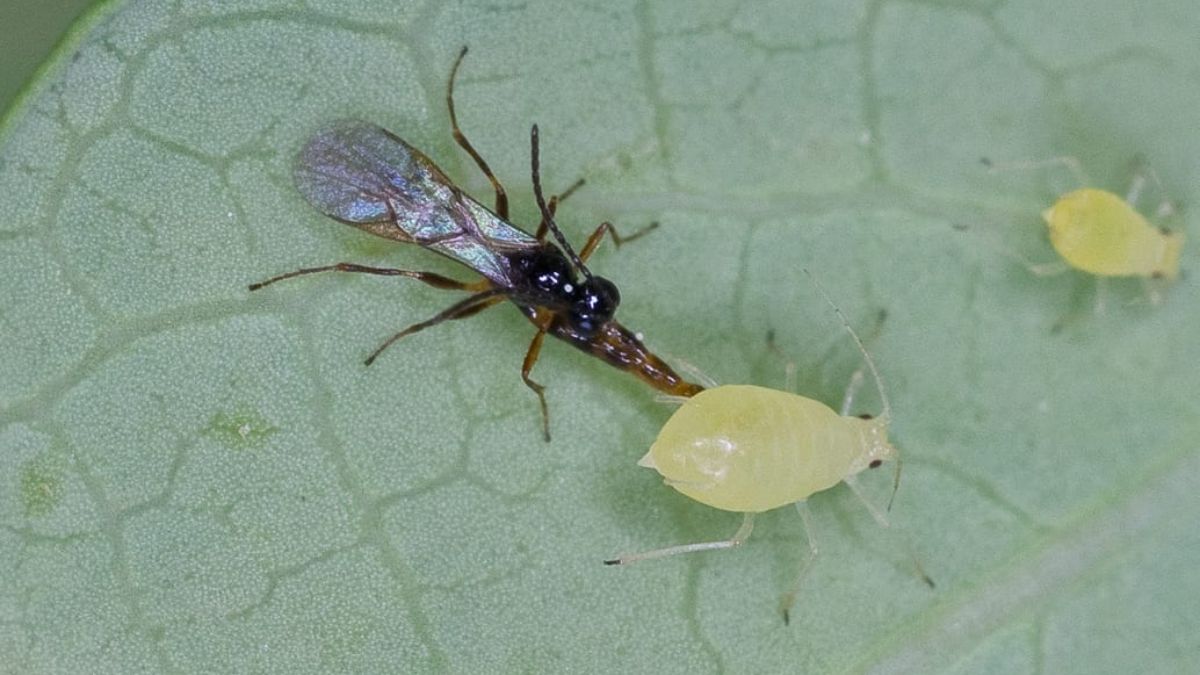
x,y
365,176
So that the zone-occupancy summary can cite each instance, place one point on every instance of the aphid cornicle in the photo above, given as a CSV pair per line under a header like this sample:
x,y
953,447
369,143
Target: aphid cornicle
x,y
363,175
750,449
1103,234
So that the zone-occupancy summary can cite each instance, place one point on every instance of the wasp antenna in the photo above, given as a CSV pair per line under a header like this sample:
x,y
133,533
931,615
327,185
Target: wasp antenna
x,y
887,406
546,215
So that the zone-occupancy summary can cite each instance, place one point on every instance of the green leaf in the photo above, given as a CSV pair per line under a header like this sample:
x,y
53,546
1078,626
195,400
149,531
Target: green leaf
x,y
196,477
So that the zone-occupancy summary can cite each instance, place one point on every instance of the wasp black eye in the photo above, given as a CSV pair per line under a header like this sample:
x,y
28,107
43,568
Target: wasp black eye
x,y
594,305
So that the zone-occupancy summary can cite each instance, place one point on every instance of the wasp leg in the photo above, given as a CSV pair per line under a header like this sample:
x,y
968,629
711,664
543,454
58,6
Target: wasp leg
x,y
461,139
607,228
460,310
431,278
531,357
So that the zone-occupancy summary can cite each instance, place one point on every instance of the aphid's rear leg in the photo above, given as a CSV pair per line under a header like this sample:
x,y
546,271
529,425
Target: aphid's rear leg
x,y
462,309
738,538
789,598
431,278
607,228
461,139
531,357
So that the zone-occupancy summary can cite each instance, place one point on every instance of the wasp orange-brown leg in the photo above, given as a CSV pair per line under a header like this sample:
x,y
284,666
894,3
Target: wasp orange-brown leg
x,y
461,139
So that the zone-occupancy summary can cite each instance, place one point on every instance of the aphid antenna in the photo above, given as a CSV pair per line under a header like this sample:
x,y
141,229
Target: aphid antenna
x,y
1068,162
886,414
862,348
1141,171
541,202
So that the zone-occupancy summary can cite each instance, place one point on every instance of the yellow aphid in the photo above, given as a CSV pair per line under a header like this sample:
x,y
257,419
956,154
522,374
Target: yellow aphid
x,y
1098,232
751,449
1102,233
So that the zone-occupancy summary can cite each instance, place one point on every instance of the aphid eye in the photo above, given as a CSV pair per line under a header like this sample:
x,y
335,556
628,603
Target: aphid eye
x,y
1156,275
866,416
875,463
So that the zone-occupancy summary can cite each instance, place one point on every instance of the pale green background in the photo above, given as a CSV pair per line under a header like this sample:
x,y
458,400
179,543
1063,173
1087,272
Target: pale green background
x,y
195,478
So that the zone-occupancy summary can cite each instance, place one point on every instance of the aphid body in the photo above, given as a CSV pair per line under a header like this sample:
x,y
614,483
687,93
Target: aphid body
x,y
751,449
1098,232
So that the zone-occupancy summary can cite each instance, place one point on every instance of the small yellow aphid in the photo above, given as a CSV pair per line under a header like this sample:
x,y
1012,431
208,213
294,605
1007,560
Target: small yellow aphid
x,y
1101,233
751,449
1098,232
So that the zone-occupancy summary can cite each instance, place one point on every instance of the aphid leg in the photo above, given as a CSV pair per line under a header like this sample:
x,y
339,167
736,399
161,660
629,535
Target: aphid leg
x,y
852,388
1047,269
461,139
998,247
1153,293
852,482
552,207
738,538
670,399
1136,185
1140,173
789,598
607,228
789,366
431,278
531,357
882,520
1069,163
468,306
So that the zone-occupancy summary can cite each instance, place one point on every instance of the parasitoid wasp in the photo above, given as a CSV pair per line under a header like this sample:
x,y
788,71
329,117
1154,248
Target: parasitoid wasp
x,y
363,175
